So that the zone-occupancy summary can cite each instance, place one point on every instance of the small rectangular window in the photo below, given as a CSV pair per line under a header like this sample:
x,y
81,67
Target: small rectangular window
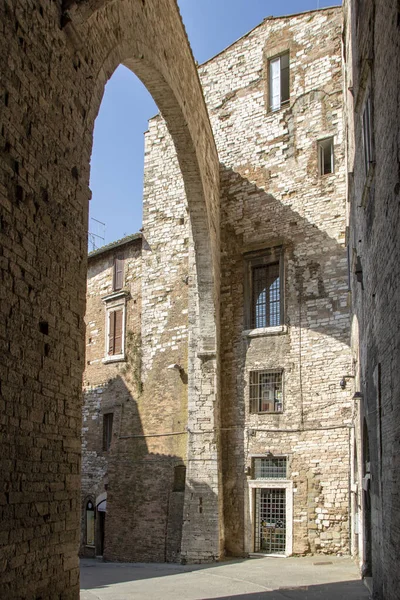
x,y
367,133
115,332
325,156
266,393
118,273
279,81
107,430
274,467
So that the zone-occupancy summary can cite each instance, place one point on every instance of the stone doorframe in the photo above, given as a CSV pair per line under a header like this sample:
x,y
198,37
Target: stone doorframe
x,y
254,484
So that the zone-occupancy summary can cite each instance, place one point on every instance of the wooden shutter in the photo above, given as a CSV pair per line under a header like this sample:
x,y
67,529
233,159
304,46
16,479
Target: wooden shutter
x,y
111,332
118,314
118,273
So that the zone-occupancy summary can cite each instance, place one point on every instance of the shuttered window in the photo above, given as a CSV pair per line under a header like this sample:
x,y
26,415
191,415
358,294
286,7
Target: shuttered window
x,y
118,278
115,332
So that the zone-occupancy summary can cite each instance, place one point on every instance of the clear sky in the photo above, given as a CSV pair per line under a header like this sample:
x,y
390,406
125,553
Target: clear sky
x,y
118,151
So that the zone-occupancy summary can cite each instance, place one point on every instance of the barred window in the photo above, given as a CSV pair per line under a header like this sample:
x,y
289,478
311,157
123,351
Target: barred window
x,y
266,393
266,301
264,289
274,467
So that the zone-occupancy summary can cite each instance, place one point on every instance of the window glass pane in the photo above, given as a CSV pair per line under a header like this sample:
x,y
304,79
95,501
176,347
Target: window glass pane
x,y
275,84
284,60
270,468
266,296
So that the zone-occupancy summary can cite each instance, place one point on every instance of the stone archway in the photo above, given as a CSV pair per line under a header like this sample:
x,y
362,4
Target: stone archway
x,y
55,68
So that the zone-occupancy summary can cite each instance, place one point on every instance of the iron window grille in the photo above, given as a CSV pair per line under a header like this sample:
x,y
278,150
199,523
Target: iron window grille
x,y
274,467
266,391
264,289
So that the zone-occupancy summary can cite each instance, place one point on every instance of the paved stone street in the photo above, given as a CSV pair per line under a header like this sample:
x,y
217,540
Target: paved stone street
x,y
309,578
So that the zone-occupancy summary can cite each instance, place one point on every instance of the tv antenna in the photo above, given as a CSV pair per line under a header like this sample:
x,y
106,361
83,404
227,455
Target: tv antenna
x,y
97,235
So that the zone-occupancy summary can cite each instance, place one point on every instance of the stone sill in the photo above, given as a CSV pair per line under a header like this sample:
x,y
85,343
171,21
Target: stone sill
x,y
265,331
114,359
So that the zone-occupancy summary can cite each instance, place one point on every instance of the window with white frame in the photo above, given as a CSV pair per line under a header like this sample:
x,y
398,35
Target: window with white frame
x,y
115,326
367,133
115,331
266,391
325,156
279,81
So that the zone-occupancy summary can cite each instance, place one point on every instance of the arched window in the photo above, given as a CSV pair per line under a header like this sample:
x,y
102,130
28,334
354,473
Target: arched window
x,y
89,523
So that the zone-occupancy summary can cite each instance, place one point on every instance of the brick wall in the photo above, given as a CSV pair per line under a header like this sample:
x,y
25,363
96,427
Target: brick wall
x,y
372,70
53,74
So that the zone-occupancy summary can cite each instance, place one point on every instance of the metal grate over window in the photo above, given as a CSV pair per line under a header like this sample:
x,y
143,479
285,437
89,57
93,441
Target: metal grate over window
x,y
266,391
270,468
270,521
266,296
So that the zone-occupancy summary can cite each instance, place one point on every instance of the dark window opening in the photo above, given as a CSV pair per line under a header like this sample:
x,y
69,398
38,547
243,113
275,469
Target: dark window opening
x,y
325,156
367,134
179,478
107,430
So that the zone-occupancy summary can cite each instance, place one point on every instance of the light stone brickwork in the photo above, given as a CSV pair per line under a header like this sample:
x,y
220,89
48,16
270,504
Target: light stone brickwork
x,y
271,194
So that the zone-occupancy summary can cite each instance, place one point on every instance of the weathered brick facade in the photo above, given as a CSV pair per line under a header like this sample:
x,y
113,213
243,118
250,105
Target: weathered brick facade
x,y
54,66
280,214
272,195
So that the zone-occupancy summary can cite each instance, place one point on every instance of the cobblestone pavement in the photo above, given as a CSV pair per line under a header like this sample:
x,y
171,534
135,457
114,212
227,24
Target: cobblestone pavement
x,y
264,578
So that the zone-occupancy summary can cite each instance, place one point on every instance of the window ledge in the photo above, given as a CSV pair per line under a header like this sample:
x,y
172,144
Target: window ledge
x,y
265,331
112,359
119,294
268,412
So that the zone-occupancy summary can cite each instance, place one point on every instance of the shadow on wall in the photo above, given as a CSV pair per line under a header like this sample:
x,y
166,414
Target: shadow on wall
x,y
145,490
252,219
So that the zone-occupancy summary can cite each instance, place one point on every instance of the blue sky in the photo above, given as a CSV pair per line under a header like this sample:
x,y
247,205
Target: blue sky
x,y
116,178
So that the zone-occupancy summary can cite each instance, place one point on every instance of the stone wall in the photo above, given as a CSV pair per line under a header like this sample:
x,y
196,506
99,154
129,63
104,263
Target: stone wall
x,y
272,195
372,70
54,67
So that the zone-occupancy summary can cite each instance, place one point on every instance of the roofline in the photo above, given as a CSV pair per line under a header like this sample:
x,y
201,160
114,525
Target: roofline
x,y
117,244
270,18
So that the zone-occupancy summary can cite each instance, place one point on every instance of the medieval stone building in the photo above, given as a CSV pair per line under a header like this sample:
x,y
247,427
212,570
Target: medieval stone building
x,y
275,103
233,404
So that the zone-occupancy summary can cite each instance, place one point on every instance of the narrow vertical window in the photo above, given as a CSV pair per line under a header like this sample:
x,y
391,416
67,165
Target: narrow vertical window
x,y
89,524
367,134
325,156
118,275
266,301
115,332
279,81
107,430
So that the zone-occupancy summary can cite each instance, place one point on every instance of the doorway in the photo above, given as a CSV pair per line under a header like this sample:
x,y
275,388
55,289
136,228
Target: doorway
x,y
270,521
